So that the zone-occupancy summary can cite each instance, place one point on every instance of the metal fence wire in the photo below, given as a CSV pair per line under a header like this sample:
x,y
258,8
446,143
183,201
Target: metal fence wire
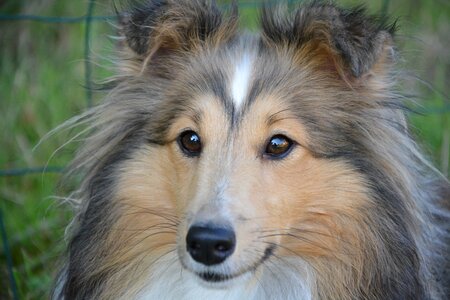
x,y
88,19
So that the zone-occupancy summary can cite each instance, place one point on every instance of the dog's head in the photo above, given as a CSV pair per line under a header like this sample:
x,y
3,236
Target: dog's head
x,y
228,152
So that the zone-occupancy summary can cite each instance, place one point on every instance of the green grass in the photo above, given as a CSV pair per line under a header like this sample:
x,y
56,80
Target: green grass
x,y
41,86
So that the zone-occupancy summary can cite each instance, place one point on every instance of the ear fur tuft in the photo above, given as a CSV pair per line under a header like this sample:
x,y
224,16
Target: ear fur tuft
x,y
176,25
354,39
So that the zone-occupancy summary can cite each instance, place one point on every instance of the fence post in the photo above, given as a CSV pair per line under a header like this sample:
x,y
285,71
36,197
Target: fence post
x,y
385,7
9,261
87,49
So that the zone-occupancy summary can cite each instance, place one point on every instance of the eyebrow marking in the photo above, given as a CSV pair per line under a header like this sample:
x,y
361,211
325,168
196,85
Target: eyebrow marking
x,y
279,116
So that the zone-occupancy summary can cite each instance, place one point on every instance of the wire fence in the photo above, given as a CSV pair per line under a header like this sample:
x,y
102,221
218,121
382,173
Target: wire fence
x,y
88,19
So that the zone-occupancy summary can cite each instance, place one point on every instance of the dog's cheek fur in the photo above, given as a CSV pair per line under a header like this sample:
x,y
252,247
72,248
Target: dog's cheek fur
x,y
83,275
326,210
146,219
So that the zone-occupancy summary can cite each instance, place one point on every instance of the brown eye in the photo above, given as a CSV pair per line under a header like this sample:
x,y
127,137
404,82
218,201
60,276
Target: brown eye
x,y
189,142
278,147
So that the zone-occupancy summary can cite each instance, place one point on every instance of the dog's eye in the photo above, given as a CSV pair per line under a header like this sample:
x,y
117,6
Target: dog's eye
x,y
278,146
190,143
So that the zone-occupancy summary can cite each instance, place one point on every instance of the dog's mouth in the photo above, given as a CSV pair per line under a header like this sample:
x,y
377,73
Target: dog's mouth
x,y
213,277
216,277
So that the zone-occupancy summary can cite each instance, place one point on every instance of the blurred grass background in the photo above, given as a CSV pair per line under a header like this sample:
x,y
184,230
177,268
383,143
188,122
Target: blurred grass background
x,y
42,84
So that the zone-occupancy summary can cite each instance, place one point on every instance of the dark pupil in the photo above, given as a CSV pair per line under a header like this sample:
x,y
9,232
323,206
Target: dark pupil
x,y
277,145
191,141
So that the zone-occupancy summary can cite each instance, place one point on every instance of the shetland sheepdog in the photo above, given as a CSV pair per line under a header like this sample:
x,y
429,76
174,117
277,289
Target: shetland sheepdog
x,y
273,165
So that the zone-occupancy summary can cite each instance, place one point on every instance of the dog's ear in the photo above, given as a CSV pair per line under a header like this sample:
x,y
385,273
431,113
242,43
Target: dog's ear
x,y
348,41
169,26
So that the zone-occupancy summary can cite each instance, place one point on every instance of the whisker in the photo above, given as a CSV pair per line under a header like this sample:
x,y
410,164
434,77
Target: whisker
x,y
300,238
157,226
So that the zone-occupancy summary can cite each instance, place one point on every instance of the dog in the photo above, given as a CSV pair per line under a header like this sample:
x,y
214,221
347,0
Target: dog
x,y
225,164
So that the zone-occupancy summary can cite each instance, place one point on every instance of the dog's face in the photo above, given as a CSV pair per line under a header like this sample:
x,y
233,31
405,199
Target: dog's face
x,y
231,156
235,180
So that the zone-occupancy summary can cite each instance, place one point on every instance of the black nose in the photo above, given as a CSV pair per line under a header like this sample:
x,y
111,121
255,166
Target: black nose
x,y
210,245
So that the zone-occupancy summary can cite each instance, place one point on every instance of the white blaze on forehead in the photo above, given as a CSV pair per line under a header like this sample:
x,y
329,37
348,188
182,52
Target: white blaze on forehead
x,y
240,80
